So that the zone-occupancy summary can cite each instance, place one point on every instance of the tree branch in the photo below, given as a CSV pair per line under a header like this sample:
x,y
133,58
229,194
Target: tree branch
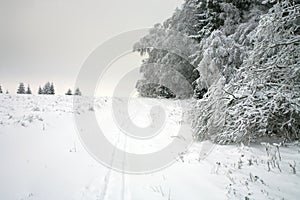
x,y
295,41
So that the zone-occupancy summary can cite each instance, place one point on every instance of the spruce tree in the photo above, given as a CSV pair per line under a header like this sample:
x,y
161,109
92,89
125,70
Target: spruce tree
x,y
69,92
40,91
21,89
77,92
28,90
52,91
46,89
1,90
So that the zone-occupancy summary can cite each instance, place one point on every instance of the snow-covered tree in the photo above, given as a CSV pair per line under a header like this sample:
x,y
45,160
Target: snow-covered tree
x,y
241,57
46,88
28,91
7,92
221,57
1,90
21,89
52,91
168,53
40,90
69,92
175,43
77,92
262,100
49,89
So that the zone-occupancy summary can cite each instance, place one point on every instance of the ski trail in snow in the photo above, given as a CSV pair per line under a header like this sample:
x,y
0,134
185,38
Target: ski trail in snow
x,y
123,171
113,185
108,174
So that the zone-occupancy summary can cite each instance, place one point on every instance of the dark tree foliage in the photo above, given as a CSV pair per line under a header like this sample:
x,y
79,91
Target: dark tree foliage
x,y
28,91
69,92
165,92
48,89
77,92
40,90
154,90
52,91
21,89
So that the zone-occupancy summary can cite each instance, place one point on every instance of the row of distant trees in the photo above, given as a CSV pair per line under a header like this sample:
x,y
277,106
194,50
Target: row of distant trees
x,y
76,93
48,89
22,90
1,91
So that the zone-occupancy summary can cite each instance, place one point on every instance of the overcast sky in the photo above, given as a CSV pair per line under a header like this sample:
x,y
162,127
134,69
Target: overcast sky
x,y
48,40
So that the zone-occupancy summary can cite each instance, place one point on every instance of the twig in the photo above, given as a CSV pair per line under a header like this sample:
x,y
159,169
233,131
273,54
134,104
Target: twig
x,y
293,167
295,41
229,94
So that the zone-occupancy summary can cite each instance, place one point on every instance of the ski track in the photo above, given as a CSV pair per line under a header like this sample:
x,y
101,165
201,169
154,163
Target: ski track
x,y
110,172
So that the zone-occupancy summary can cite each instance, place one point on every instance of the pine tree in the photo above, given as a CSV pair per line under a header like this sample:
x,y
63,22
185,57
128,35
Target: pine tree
x,y
77,92
52,91
21,89
69,92
28,90
40,91
46,89
1,90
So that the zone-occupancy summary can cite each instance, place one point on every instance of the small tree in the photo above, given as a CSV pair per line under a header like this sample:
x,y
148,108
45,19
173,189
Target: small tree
x,y
52,91
77,92
1,90
69,92
28,90
46,89
40,91
7,92
21,89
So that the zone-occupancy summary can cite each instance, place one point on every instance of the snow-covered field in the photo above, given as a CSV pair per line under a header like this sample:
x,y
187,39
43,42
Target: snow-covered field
x,y
42,159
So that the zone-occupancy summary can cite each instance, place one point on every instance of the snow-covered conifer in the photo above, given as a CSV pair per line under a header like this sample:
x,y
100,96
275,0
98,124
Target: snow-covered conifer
x,y
262,99
28,91
52,90
40,90
69,92
77,92
47,89
21,89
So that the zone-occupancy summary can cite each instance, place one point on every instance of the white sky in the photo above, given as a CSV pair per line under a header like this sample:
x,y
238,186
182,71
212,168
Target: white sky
x,y
48,40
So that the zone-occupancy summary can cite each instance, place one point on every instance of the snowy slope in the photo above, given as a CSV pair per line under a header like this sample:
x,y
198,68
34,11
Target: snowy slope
x,y
42,159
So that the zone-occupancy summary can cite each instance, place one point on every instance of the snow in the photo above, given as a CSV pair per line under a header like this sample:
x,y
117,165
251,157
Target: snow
x,y
42,158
